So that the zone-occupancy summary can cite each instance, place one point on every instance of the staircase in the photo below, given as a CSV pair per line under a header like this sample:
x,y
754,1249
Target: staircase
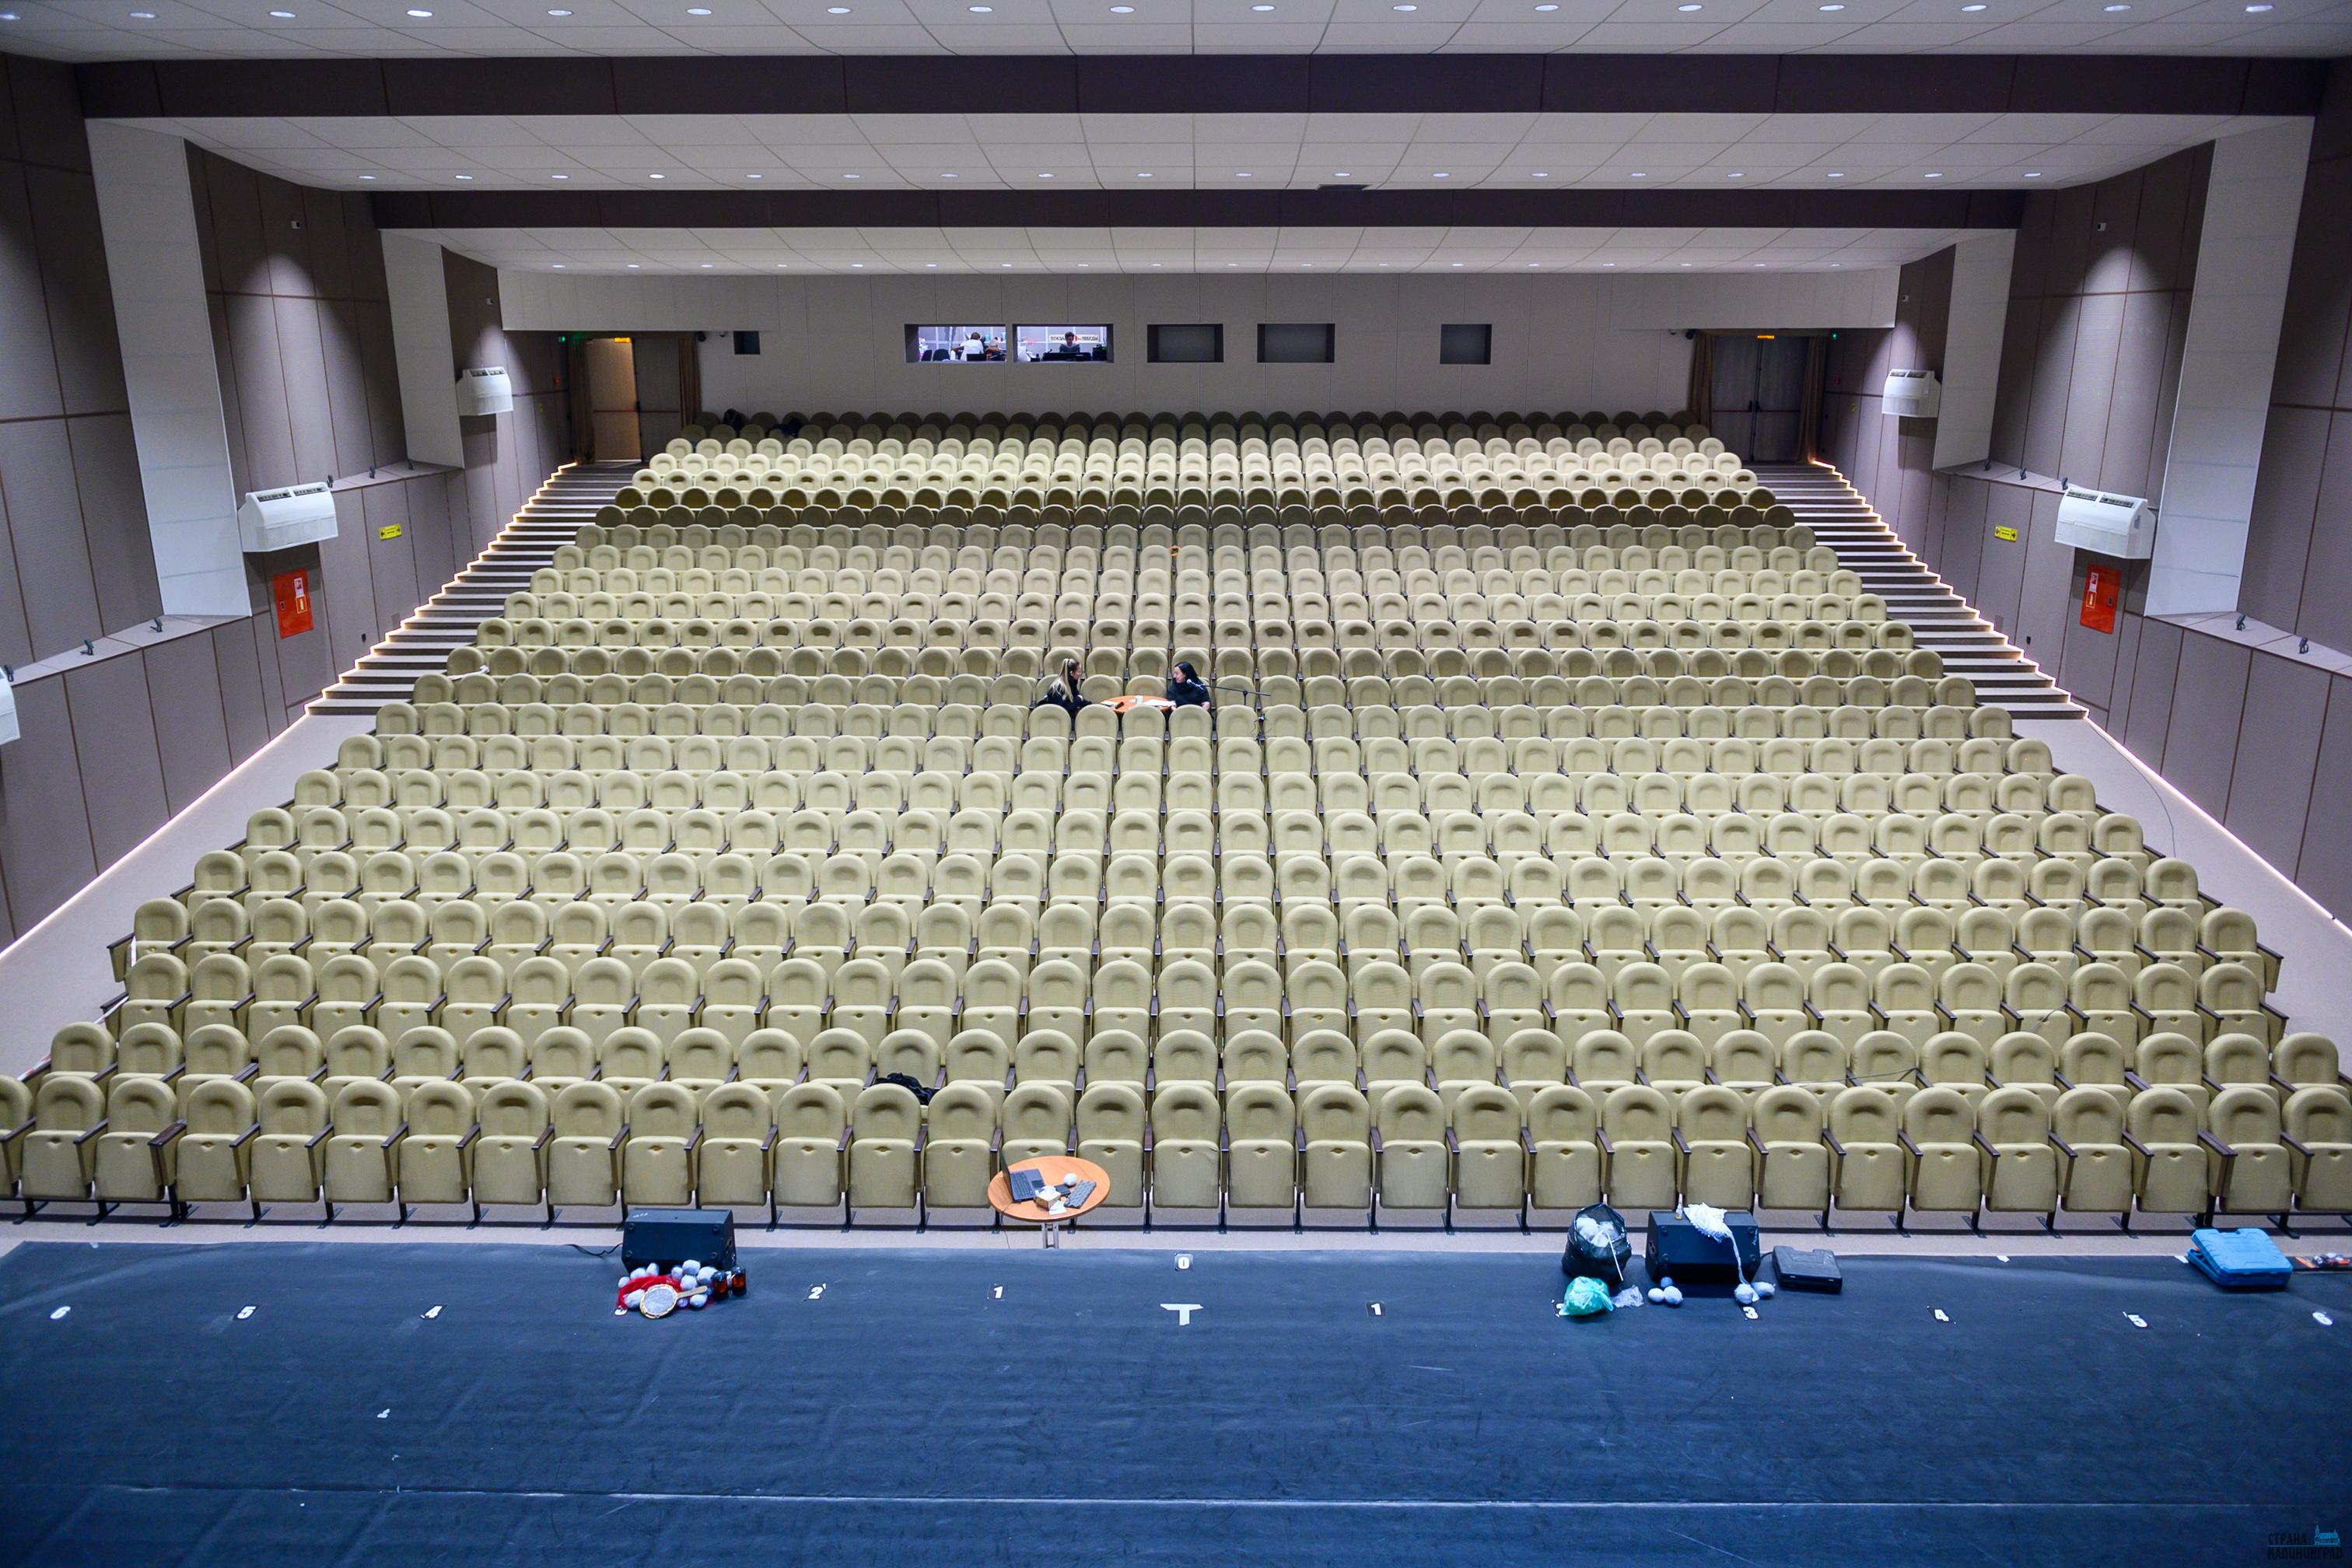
x,y
1939,619
422,643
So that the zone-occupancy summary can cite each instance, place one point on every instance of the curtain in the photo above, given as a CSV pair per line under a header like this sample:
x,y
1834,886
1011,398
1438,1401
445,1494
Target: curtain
x,y
1809,422
690,380
1701,400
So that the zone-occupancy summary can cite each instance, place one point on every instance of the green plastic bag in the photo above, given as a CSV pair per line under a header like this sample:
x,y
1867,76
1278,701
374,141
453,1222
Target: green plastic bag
x,y
1587,1296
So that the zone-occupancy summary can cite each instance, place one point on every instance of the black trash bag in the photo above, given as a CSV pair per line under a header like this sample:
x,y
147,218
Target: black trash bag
x,y
1598,1246
733,419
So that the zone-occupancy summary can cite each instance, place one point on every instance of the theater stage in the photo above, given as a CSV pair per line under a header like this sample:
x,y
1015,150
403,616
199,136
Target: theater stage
x,y
978,1406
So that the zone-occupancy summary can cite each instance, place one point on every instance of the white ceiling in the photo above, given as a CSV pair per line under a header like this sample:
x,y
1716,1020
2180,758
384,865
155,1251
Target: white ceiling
x,y
163,29
1229,152
1071,251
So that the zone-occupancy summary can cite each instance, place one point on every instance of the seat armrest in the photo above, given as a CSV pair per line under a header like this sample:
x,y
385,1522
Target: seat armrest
x,y
85,1137
472,1133
1756,1144
1830,1138
2226,1151
619,1138
396,1134
2297,1145
1903,1136
2139,1085
168,1133
321,1136
546,1134
248,1136
1682,1145
1980,1139
2132,1143
2062,1145
1600,1137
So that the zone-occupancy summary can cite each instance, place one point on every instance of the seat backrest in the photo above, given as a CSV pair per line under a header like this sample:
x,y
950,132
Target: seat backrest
x,y
366,1109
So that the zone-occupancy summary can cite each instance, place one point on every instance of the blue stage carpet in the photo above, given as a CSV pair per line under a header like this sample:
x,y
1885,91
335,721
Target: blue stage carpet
x,y
967,1408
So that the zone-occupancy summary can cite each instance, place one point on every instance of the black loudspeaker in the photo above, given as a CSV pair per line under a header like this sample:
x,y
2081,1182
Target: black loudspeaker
x,y
673,1236
1803,1269
1680,1251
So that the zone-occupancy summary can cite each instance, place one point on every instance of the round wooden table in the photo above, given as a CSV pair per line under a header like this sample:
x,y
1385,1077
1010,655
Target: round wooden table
x,y
1051,1168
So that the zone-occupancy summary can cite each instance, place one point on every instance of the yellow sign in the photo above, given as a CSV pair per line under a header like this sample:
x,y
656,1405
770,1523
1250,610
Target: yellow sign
x,y
391,530
2008,535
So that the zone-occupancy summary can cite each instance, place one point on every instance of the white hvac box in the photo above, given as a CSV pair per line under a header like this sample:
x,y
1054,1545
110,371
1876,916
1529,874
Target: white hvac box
x,y
2106,525
281,519
1912,394
485,391
8,729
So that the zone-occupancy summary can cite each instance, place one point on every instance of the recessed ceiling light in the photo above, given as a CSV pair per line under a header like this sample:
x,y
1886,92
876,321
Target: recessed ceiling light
x,y
1834,174
465,176
2257,10
836,10
1608,264
1736,174
947,177
2033,174
1976,5
1261,7
1143,173
1690,6
709,265
283,16
845,177
980,10
1832,8
1535,264
1637,175
1836,266
927,264
1043,176
559,176
10,17
422,16
1934,176
2118,8
1122,10
1542,175
1458,264
780,266
1686,264
698,10
559,266
1155,264
559,12
367,176
1547,5
1762,264
755,176
857,264
656,176
1404,8
142,15
632,266
1242,174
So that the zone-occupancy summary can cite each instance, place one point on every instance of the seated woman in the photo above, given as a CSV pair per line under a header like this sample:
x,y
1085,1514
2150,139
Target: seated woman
x,y
1186,688
1063,692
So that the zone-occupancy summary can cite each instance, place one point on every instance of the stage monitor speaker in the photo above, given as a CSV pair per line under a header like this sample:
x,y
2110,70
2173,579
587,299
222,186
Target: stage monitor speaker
x,y
1680,1251
673,1236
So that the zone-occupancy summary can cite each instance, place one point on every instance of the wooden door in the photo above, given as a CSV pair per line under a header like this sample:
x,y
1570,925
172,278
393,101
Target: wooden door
x,y
613,400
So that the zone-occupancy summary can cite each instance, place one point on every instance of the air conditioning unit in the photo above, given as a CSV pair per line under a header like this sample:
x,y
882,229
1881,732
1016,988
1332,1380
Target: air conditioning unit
x,y
9,727
2106,525
279,520
1913,395
485,391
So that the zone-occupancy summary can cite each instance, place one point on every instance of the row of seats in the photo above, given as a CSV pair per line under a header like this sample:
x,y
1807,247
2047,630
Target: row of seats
x,y
1183,1150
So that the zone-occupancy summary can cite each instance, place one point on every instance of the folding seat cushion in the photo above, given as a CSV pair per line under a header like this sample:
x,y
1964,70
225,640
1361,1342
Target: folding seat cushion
x,y
213,1153
362,1152
1411,1148
2096,1168
1110,1129
1711,1127
136,1158
2170,1171
583,1158
885,1127
2251,1170
1794,1167
288,1162
660,1157
1261,1156
960,1146
509,1157
1036,1118
1636,1138
1564,1166
2020,1162
2318,1132
1490,1155
434,1162
1185,1159
1869,1170
812,1140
